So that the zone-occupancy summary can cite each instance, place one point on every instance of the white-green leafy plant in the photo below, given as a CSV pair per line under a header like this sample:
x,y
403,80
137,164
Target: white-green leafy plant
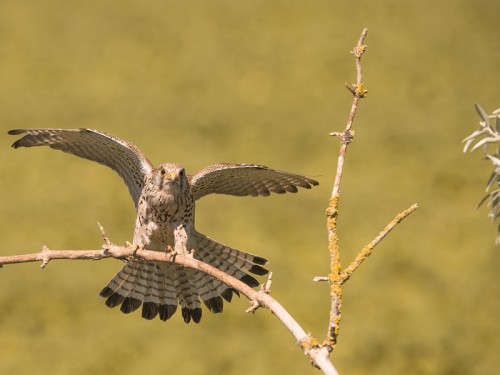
x,y
488,138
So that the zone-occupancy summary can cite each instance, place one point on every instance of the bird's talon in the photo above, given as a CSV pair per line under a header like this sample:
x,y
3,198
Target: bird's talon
x,y
136,248
171,251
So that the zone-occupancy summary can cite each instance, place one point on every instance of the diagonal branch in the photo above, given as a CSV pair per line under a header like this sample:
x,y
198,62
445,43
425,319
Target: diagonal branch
x,y
368,249
318,356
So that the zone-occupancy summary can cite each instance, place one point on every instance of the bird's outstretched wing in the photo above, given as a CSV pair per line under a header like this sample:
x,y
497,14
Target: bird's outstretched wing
x,y
246,180
121,156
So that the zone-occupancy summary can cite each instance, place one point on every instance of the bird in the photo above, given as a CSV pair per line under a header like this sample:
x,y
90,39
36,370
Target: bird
x,y
164,198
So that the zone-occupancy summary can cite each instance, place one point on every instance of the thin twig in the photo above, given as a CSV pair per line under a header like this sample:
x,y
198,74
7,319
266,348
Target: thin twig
x,y
358,92
266,288
368,249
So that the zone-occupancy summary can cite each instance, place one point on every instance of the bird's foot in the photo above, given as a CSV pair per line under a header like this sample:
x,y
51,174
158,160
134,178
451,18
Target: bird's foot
x,y
136,248
176,251
171,251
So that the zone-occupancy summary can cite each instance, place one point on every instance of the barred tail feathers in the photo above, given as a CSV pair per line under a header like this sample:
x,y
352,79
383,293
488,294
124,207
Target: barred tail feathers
x,y
187,293
229,260
160,287
143,283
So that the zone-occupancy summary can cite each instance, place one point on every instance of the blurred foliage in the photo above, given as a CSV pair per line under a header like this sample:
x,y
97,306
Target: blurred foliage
x,y
256,81
488,138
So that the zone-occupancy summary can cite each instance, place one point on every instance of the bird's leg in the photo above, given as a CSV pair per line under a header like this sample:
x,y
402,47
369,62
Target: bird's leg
x,y
180,239
170,251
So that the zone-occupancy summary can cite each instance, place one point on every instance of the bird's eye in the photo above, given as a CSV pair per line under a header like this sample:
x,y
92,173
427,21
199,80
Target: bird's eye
x,y
163,172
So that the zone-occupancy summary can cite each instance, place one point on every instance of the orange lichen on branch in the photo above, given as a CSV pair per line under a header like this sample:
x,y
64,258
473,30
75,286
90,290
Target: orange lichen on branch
x,y
360,91
358,50
309,342
367,250
333,239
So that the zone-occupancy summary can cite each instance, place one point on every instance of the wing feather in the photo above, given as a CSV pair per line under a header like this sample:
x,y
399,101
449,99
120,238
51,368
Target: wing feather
x,y
121,156
246,180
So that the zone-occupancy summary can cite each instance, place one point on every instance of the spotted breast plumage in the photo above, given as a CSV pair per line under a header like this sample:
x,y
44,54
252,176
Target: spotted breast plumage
x,y
165,197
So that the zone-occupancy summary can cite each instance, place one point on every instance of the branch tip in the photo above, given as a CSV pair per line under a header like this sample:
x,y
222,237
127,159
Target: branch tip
x,y
254,305
266,288
103,234
321,278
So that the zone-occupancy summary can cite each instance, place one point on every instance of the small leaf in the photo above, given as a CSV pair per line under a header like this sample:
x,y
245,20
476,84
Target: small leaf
x,y
483,200
494,177
494,160
481,112
485,141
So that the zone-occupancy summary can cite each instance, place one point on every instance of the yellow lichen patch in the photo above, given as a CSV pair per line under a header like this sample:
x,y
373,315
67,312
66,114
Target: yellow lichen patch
x,y
360,91
309,342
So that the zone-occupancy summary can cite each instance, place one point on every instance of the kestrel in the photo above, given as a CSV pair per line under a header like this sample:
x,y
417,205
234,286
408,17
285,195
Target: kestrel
x,y
165,201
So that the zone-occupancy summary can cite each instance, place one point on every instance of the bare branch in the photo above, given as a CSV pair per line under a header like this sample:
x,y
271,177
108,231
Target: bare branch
x,y
368,249
345,138
259,298
358,92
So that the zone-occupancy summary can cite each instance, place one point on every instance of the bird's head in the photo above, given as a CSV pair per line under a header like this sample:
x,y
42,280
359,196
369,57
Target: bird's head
x,y
170,178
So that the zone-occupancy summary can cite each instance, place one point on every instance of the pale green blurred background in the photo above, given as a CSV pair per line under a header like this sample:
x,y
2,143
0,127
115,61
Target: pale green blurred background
x,y
199,82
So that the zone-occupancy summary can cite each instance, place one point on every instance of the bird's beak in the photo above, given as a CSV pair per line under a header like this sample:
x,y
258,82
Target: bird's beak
x,y
173,176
